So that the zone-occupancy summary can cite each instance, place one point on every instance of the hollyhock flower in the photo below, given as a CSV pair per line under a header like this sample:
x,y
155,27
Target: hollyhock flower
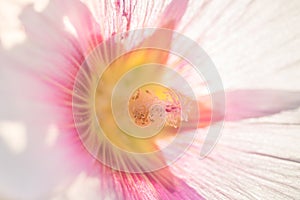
x,y
116,100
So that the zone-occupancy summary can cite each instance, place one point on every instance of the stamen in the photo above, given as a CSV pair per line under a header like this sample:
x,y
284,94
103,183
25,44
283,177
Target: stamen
x,y
155,103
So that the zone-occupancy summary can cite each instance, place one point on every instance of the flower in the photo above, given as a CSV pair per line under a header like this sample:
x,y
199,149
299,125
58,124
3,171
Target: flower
x,y
54,98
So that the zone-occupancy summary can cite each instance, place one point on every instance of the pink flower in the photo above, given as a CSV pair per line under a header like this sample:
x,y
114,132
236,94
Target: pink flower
x,y
73,124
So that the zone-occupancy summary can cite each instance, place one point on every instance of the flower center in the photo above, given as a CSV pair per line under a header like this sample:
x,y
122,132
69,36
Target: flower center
x,y
154,104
